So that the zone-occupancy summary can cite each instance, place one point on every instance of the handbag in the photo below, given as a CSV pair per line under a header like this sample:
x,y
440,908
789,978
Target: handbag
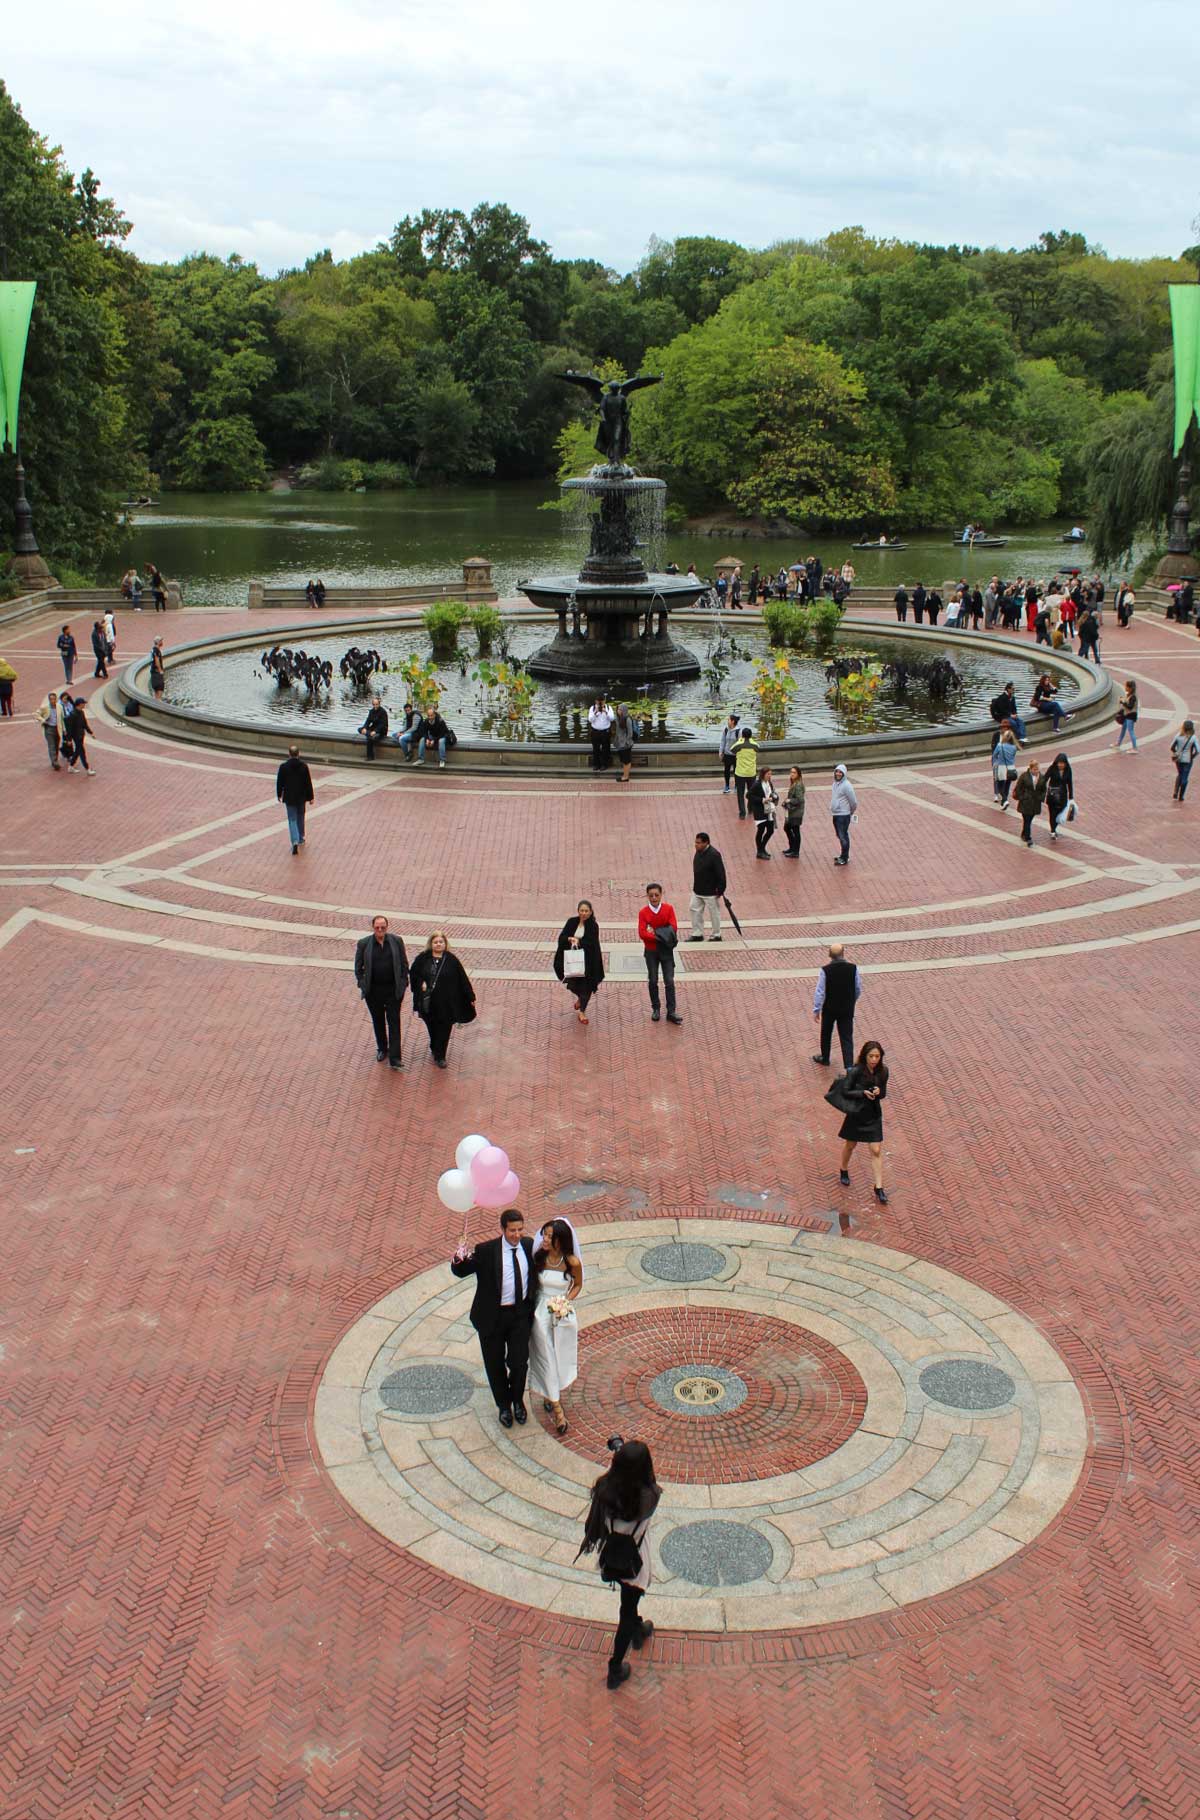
x,y
837,1096
574,964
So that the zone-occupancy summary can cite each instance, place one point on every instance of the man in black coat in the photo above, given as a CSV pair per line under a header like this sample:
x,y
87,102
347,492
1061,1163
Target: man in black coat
x,y
99,648
839,984
901,598
502,1312
919,598
381,969
294,789
375,726
708,888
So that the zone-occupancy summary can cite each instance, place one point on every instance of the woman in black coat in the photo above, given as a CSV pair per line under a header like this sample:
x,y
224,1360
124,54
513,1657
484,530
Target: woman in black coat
x,y
580,932
76,727
862,1089
1060,791
442,994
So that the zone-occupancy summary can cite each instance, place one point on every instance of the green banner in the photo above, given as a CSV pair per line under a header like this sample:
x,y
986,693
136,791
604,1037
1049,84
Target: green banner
x,y
1185,328
16,307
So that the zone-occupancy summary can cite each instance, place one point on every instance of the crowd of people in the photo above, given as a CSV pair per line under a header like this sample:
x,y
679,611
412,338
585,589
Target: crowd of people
x,y
1056,611
133,587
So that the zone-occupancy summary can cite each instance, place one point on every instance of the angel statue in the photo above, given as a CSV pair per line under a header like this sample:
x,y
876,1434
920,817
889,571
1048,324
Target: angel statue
x,y
612,436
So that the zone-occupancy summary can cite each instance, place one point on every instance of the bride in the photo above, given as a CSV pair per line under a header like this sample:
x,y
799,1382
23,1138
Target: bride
x,y
554,1338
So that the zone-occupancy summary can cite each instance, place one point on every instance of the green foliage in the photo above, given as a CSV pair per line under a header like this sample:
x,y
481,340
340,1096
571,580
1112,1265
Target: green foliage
x,y
772,687
786,623
1132,476
487,624
420,681
824,617
443,622
505,689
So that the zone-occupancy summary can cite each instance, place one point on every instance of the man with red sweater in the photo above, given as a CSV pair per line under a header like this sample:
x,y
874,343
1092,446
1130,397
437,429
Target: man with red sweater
x,y
659,933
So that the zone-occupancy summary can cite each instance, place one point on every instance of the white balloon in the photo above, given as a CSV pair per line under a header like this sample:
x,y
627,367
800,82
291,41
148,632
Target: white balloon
x,y
456,1191
468,1149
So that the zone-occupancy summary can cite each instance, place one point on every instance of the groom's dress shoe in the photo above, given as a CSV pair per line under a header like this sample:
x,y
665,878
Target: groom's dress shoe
x,y
506,1417
520,1413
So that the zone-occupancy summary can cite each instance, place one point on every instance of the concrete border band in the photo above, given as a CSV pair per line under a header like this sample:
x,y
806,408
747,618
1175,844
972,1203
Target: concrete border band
x,y
1090,709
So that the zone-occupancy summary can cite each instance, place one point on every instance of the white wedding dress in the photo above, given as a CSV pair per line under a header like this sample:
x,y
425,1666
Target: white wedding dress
x,y
553,1345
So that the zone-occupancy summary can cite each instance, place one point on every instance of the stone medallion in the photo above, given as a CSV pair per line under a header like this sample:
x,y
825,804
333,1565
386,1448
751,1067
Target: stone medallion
x,y
839,1429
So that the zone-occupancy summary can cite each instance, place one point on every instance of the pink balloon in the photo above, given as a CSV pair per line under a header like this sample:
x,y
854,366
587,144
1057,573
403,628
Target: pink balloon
x,y
509,1189
497,1196
488,1169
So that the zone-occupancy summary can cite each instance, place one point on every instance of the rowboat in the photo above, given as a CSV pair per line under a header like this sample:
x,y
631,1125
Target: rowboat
x,y
879,546
978,543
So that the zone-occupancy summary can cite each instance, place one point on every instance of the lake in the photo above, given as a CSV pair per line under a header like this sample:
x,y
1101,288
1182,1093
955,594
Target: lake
x,y
217,543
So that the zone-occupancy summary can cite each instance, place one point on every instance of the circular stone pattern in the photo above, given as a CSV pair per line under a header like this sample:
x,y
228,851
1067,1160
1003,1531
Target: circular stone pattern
x,y
716,1553
967,1384
787,1397
869,1492
683,1263
426,1390
707,1392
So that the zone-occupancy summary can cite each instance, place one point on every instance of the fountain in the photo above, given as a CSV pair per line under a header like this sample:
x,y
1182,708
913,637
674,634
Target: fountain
x,y
613,616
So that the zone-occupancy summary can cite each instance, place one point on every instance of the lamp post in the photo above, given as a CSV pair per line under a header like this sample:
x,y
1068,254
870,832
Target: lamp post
x,y
28,564
1179,543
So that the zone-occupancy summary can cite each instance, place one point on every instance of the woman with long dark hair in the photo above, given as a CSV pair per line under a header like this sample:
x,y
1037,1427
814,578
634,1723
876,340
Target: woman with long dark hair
x,y
764,799
580,937
442,994
554,1336
862,1089
623,1501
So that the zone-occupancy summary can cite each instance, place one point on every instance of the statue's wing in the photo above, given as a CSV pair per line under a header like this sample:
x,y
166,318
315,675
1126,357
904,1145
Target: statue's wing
x,y
588,381
634,385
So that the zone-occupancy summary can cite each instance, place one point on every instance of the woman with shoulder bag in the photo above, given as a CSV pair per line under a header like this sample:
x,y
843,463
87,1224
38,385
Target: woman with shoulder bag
x,y
1184,750
1127,715
623,1501
1004,763
764,798
859,1093
793,815
578,961
442,994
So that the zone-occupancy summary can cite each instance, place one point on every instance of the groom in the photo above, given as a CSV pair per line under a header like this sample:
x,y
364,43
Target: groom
x,y
502,1311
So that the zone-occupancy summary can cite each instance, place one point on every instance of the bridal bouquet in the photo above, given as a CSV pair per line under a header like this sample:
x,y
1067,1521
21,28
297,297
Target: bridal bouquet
x,y
560,1308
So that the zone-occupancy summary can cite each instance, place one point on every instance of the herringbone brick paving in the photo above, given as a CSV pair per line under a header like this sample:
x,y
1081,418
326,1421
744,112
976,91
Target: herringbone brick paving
x,y
222,1181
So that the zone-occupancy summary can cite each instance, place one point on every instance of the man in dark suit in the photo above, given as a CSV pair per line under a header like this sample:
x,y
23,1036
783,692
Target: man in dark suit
x,y
502,1312
381,969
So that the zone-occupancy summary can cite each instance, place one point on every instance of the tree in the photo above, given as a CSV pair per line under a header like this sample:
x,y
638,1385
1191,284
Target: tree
x,y
1132,473
695,273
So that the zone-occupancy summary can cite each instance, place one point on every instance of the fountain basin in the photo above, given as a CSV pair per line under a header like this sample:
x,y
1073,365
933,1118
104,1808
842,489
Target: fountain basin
x,y
610,632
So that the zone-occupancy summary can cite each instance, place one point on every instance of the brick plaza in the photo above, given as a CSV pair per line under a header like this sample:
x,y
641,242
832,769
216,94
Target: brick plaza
x,y
950,1526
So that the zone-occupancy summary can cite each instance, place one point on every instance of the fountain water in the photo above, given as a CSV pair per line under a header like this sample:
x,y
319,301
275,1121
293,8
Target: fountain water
x,y
613,617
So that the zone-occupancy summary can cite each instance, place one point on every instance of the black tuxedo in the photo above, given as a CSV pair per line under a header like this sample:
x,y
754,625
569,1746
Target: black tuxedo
x,y
503,1331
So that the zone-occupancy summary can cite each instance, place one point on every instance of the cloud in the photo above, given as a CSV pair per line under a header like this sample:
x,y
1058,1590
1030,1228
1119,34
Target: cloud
x,y
281,127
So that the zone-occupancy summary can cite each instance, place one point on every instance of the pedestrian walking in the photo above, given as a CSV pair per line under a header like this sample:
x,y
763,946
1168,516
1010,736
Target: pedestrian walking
x,y
839,988
442,994
158,668
843,806
658,932
374,728
68,651
745,768
618,1521
578,958
918,604
901,599
502,1311
1060,794
708,888
600,720
860,1093
381,972
1127,716
764,800
109,622
76,729
100,648
726,746
294,789
49,718
8,677
1184,750
793,812
1004,764
1029,793
1088,627
623,731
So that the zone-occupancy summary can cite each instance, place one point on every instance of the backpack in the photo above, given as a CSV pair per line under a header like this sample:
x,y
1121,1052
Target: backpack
x,y
620,1557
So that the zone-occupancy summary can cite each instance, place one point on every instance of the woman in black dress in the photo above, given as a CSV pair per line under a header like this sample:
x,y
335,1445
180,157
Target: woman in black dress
x,y
580,933
863,1087
442,994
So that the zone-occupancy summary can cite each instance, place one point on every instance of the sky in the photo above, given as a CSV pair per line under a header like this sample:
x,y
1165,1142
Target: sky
x,y
276,129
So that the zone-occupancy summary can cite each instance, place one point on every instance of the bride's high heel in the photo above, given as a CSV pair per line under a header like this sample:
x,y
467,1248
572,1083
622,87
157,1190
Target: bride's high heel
x,y
560,1420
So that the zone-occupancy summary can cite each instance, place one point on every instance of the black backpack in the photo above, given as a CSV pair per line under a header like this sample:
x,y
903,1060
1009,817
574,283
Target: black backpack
x,y
620,1557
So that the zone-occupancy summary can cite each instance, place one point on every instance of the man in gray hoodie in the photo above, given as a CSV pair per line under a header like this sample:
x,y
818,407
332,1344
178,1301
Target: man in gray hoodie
x,y
842,805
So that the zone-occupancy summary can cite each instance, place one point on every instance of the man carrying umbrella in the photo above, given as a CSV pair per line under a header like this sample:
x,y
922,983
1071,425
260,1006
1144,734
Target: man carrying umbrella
x,y
708,888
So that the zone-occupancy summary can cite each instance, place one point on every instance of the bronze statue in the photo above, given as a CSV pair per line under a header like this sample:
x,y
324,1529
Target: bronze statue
x,y
612,435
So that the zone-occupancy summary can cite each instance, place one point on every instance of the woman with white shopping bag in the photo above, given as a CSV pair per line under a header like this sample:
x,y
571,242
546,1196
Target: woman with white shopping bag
x,y
578,962
1060,794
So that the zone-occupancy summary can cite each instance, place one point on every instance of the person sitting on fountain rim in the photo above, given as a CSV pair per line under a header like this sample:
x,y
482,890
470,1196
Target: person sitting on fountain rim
x,y
375,727
434,732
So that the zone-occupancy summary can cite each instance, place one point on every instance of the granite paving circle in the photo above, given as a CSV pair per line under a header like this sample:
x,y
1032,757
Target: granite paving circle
x,y
967,1384
866,1506
699,1391
677,1263
425,1390
716,1553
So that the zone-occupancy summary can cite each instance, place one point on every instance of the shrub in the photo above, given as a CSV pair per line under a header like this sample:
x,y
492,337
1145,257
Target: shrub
x,y
825,616
443,623
487,625
786,623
